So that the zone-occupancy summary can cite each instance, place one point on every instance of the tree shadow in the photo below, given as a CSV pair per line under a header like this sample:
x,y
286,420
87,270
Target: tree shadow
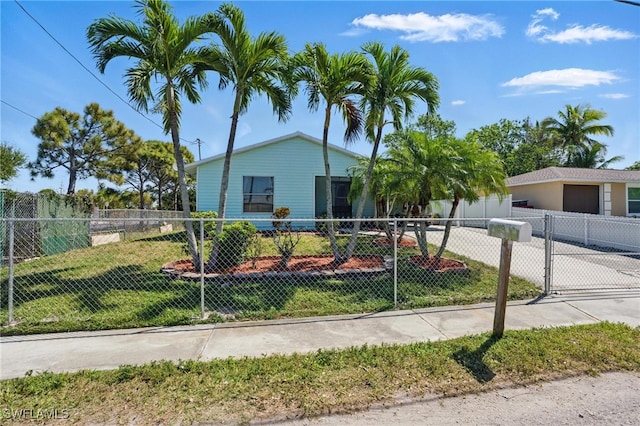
x,y
473,361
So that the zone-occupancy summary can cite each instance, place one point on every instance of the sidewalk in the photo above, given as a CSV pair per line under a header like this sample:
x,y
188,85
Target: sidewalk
x,y
68,352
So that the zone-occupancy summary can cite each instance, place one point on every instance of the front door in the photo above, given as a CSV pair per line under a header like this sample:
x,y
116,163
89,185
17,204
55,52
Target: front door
x,y
340,187
340,191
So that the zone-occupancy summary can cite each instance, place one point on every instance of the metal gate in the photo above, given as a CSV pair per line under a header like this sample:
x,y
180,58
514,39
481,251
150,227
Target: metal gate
x,y
591,253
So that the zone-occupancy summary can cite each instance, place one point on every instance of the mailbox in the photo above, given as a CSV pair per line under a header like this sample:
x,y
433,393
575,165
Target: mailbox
x,y
510,230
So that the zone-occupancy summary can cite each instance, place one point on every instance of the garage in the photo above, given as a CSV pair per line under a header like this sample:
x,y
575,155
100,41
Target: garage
x,y
581,199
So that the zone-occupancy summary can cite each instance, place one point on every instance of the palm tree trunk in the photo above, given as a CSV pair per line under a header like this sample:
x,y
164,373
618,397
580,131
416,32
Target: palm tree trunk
x,y
447,227
327,173
421,236
224,182
363,199
184,193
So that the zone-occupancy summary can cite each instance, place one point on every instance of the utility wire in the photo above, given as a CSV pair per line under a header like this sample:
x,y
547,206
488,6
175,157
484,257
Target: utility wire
x,y
86,69
18,109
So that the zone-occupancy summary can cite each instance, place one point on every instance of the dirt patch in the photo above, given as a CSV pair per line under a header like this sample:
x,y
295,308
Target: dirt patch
x,y
438,265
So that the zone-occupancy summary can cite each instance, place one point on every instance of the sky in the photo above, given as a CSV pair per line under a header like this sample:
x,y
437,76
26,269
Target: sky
x,y
493,60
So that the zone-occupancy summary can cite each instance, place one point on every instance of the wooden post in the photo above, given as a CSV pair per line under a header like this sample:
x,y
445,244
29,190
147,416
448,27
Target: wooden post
x,y
503,287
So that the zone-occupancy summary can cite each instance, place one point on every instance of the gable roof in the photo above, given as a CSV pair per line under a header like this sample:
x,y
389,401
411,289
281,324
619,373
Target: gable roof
x,y
573,174
192,166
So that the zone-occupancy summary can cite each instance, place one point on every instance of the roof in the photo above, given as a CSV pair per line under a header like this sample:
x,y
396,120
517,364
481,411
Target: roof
x,y
192,166
572,174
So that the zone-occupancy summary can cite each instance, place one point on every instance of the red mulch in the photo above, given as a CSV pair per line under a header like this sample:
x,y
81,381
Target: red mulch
x,y
404,242
443,264
296,264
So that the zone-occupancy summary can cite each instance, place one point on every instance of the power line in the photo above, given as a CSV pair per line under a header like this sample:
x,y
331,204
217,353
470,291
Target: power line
x,y
18,109
86,69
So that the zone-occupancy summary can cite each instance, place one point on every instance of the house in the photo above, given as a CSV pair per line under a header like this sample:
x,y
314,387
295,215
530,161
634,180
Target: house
x,y
596,191
287,171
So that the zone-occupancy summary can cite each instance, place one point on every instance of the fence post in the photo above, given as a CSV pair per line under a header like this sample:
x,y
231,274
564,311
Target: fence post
x,y
11,274
201,268
586,230
547,252
395,262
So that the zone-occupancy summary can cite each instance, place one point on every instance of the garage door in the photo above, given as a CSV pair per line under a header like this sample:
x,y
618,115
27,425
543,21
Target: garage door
x,y
581,198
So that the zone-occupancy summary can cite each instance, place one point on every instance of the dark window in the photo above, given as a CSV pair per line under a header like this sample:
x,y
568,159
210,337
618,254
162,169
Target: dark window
x,y
633,200
257,192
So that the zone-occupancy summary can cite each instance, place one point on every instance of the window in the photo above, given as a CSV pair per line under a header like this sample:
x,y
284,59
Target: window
x,y
633,200
257,194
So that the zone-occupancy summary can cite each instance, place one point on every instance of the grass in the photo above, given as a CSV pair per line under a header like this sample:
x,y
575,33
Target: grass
x,y
327,381
120,286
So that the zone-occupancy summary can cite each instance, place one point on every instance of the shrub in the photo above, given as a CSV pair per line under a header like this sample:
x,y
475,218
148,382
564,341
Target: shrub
x,y
285,243
234,242
254,248
283,237
280,213
209,225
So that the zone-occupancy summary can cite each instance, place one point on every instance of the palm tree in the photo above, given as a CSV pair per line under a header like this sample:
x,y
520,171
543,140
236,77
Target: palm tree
x,y
253,66
634,166
394,88
385,196
334,79
474,171
592,156
573,128
423,166
164,51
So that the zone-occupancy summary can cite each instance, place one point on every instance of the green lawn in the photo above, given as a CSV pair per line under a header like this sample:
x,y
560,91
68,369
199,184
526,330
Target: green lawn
x,y
235,391
120,285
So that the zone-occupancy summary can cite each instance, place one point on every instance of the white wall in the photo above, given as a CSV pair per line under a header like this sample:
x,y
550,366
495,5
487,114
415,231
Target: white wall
x,y
485,207
616,232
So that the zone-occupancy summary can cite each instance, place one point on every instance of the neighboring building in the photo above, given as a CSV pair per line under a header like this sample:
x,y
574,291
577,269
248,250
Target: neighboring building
x,y
596,191
287,171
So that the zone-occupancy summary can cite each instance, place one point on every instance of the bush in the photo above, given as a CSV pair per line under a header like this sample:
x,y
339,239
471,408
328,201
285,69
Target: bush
x,y
209,225
234,243
280,213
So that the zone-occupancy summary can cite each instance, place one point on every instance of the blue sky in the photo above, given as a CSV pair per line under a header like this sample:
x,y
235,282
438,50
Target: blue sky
x,y
493,60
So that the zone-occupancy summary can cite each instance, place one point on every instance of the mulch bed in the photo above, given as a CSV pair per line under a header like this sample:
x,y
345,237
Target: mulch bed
x,y
314,263
404,242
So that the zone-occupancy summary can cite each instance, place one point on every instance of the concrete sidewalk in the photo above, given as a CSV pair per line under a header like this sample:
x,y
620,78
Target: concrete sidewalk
x,y
68,352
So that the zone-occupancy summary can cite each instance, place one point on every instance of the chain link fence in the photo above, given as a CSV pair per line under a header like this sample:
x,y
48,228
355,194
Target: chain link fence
x,y
266,269
590,252
131,223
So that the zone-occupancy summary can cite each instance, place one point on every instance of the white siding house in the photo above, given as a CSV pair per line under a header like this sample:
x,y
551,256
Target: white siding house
x,y
283,172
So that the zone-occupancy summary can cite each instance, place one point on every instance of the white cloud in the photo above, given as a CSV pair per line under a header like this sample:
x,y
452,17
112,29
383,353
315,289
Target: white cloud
x,y
423,27
578,33
568,78
534,27
615,96
244,130
574,33
458,103
354,32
